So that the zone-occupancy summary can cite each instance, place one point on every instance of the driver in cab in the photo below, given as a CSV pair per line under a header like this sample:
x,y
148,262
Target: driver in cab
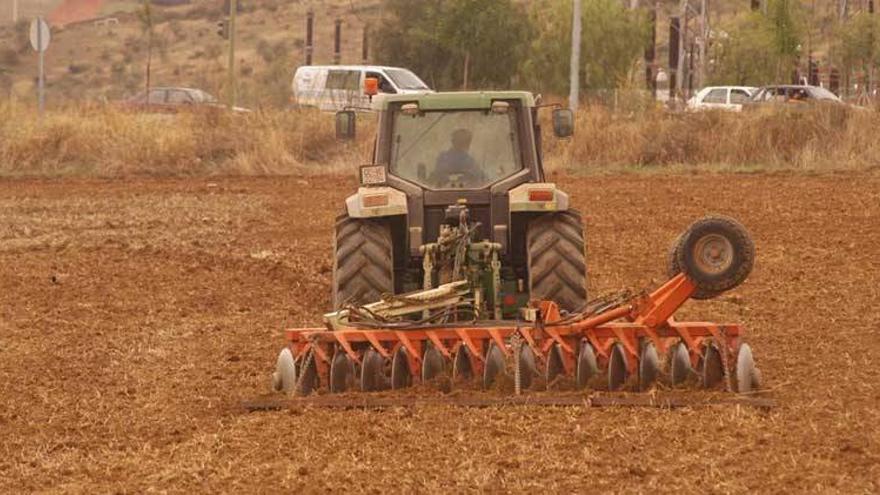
x,y
455,167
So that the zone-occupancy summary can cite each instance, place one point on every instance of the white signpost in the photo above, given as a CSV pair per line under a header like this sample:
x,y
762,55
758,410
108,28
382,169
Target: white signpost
x,y
39,36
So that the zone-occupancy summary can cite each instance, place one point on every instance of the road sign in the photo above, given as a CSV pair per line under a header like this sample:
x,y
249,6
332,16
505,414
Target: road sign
x,y
39,34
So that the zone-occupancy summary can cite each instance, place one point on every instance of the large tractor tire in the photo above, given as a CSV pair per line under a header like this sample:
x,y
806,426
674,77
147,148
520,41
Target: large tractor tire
x,y
363,261
556,261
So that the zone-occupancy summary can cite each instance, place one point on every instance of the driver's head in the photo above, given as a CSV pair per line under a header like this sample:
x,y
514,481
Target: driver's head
x,y
461,139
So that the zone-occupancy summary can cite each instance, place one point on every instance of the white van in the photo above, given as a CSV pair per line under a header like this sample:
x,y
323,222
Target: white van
x,y
336,87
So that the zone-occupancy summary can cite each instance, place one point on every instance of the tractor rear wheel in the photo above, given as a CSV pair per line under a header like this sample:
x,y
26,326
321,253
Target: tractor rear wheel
x,y
556,261
363,261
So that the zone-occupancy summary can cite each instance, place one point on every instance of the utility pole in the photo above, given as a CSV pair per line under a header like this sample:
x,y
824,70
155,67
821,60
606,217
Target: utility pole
x,y
14,11
233,9
682,46
337,42
310,25
704,41
574,84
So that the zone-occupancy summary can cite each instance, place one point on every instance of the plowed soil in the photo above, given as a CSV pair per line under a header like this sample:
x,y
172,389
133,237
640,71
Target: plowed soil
x,y
136,315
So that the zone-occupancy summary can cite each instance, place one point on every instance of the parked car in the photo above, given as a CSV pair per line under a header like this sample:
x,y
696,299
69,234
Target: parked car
x,y
793,94
173,100
729,98
336,87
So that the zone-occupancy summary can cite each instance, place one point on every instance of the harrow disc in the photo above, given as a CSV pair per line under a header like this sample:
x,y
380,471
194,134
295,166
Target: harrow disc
x,y
433,364
713,367
527,366
341,373
494,365
649,366
400,374
680,367
617,368
554,364
748,377
372,373
308,378
284,377
461,367
587,367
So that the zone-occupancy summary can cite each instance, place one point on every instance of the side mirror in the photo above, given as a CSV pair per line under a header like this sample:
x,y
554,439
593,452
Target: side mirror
x,y
563,122
345,125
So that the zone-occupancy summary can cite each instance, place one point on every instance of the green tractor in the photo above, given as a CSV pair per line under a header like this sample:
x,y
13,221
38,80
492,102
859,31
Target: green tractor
x,y
456,190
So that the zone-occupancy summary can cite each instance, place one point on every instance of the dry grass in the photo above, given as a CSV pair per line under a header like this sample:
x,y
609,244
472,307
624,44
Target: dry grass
x,y
106,142
814,138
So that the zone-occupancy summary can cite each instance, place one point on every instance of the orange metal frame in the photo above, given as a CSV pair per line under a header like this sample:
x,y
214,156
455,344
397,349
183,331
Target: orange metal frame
x,y
645,317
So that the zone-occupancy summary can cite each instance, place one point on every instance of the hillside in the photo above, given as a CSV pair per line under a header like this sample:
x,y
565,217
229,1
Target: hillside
x,y
95,60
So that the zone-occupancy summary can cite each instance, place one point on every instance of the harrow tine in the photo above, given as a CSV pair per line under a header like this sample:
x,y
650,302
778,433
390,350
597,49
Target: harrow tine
x,y
617,367
680,368
587,367
649,366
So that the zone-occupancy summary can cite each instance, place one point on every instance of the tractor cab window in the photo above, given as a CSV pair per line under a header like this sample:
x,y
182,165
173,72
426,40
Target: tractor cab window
x,y
467,149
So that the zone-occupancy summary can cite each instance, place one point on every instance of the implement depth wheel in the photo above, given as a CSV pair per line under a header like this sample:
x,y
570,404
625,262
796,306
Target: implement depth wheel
x,y
556,261
363,261
715,253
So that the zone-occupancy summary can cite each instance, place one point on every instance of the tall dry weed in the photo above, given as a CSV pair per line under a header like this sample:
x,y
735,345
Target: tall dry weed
x,y
106,141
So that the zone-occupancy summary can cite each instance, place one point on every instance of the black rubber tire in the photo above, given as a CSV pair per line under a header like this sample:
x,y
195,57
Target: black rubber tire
x,y
742,261
363,261
556,261
672,269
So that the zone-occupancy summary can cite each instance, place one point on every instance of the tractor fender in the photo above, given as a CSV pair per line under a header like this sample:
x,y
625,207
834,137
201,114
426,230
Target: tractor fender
x,y
372,202
537,196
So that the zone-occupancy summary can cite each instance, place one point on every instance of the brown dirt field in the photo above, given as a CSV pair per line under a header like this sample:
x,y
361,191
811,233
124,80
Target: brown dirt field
x,y
136,315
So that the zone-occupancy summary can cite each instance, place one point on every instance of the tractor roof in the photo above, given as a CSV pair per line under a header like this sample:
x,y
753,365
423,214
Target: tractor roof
x,y
455,99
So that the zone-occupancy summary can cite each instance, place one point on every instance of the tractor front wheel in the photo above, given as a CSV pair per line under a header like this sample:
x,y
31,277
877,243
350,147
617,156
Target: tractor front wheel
x,y
556,261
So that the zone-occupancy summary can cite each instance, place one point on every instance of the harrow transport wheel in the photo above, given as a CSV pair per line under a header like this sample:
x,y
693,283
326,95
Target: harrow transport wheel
x,y
363,262
284,377
554,364
400,374
748,377
556,261
716,253
713,367
433,364
649,366
587,367
493,366
461,367
341,373
372,371
673,269
617,369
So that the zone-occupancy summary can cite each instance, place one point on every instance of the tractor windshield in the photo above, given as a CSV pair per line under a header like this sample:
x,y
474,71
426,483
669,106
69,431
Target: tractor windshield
x,y
463,149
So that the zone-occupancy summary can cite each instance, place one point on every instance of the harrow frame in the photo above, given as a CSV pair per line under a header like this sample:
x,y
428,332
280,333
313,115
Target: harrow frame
x,y
645,319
